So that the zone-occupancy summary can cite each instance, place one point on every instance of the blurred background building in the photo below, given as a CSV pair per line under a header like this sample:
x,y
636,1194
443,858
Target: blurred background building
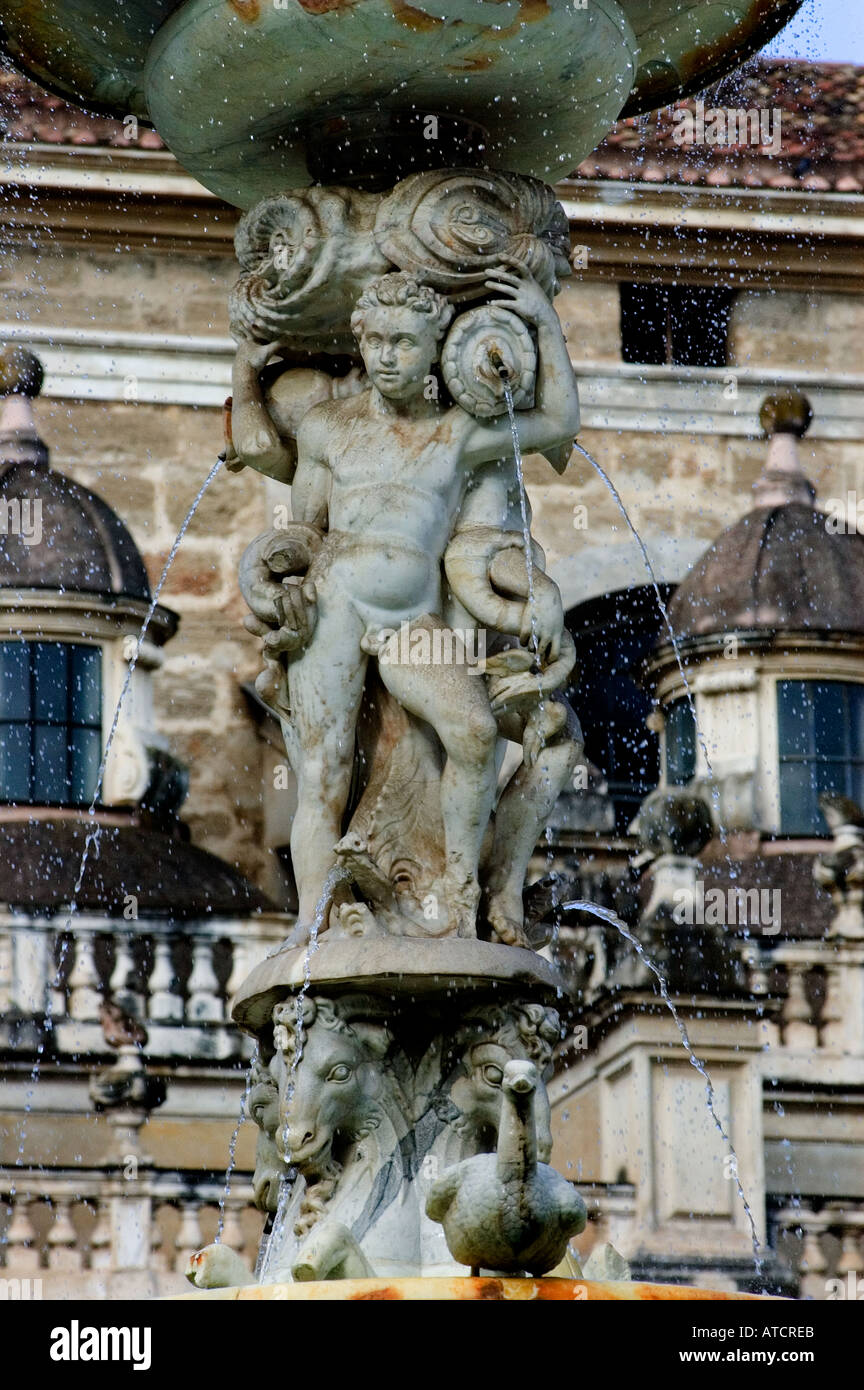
x,y
709,279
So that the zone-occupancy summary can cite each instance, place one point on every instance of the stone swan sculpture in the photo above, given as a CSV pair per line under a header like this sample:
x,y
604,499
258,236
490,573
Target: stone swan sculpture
x,y
505,1212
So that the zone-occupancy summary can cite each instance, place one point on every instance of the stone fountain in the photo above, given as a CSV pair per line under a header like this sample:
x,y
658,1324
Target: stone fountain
x,y
397,351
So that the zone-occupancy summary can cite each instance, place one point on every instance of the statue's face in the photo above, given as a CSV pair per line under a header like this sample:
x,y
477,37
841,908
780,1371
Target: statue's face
x,y
399,348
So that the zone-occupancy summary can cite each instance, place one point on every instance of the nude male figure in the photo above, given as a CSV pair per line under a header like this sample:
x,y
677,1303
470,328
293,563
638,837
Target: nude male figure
x,y
384,472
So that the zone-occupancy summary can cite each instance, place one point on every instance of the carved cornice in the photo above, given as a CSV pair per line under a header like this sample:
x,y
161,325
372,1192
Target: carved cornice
x,y
142,199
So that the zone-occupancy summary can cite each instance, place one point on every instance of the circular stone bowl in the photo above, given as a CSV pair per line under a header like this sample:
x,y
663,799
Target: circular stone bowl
x,y
543,79
461,1290
243,90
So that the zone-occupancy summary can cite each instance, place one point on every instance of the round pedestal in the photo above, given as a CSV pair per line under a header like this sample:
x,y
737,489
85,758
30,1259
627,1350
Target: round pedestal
x,y
405,967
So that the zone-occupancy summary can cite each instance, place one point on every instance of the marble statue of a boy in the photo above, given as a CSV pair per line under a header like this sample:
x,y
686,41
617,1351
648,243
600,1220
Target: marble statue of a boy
x,y
384,473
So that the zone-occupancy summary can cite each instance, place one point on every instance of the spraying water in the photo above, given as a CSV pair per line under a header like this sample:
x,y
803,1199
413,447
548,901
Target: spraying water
x,y
338,874
666,619
529,558
232,1151
94,833
606,915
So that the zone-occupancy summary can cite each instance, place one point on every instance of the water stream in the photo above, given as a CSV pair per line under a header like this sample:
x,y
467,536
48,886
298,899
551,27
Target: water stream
x,y
606,915
601,472
232,1151
338,874
94,832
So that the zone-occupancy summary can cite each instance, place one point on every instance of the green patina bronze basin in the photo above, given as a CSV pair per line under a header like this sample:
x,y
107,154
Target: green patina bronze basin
x,y
256,95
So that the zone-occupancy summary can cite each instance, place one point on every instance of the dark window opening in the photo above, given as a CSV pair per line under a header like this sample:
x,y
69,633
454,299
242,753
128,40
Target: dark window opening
x,y
680,743
821,745
50,723
680,325
613,635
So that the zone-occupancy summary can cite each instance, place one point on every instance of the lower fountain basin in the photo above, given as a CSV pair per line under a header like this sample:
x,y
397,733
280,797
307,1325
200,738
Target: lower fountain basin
x,y
471,1290
393,965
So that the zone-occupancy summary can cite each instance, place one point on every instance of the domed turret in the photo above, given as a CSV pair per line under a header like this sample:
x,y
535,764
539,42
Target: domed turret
x,y
780,567
57,534
770,629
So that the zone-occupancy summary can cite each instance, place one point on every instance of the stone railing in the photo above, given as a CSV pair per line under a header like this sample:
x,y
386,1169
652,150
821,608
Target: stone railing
x,y
176,979
93,1234
821,987
828,1249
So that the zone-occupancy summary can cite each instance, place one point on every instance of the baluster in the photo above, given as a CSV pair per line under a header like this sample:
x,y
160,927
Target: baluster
x,y
85,997
850,1261
62,953
188,1239
22,1239
798,1030
160,1258
166,1000
205,1003
100,1237
63,1253
833,1020
32,970
239,966
814,1266
233,1234
124,978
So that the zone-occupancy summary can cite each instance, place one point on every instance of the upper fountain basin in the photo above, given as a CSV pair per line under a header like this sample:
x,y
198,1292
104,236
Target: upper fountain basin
x,y
247,93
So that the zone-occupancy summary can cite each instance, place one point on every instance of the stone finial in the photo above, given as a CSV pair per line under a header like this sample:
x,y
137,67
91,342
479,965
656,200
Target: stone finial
x,y
21,372
841,870
785,418
21,378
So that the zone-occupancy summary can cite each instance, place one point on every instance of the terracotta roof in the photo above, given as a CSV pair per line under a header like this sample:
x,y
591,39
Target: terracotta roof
x,y
821,108
822,127
30,115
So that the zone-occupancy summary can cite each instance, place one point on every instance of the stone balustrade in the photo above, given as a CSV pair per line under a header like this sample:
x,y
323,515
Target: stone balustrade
x,y
827,1249
821,987
177,980
93,1233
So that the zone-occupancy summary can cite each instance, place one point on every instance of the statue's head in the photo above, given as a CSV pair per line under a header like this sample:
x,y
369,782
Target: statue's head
x,y
399,324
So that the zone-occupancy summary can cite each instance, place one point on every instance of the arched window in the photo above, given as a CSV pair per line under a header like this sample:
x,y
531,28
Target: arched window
x,y
820,728
50,722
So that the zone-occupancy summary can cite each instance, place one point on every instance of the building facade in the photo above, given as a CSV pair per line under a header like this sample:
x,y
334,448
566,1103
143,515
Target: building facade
x,y
708,276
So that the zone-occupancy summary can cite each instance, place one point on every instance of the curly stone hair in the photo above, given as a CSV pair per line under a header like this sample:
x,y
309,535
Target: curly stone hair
x,y
403,291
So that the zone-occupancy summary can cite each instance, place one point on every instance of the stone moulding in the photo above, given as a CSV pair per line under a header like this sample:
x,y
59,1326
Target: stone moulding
x,y
393,965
